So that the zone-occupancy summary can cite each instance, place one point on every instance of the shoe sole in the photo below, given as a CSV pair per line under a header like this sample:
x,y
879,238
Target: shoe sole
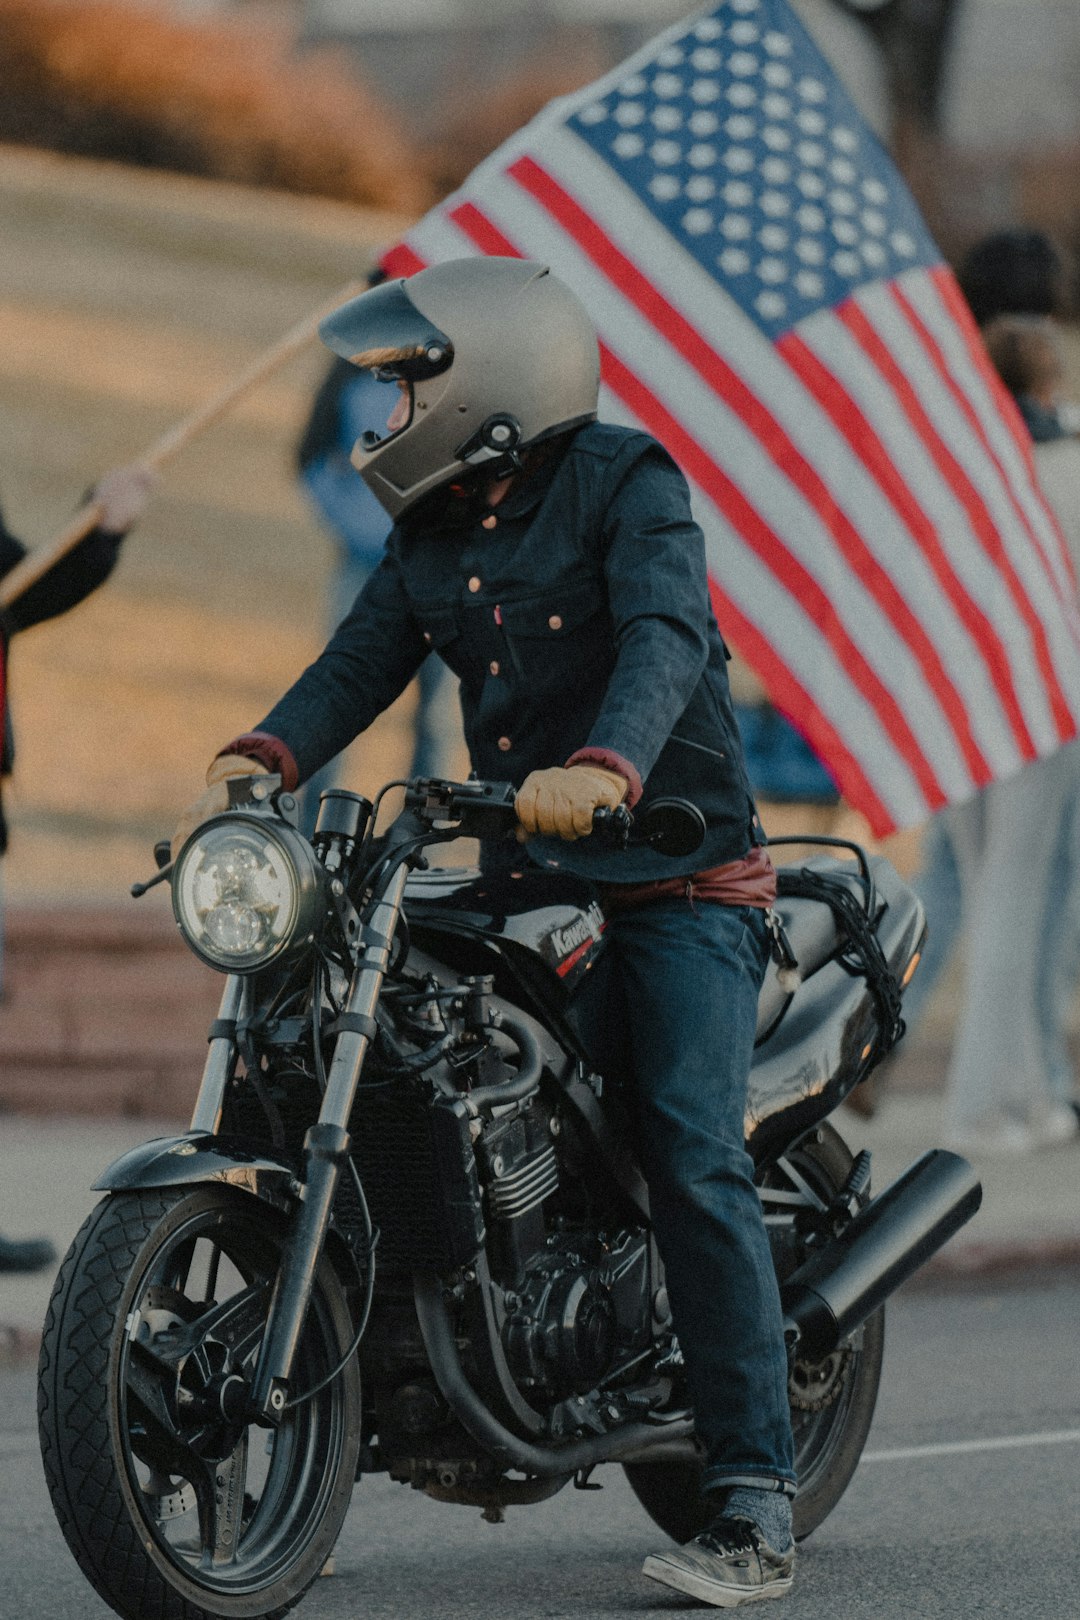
x,y
659,1568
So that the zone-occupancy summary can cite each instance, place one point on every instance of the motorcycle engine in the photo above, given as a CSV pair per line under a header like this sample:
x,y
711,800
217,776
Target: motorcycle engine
x,y
577,1300
584,1309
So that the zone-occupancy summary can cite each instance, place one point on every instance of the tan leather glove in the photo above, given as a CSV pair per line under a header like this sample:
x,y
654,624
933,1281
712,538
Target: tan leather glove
x,y
216,797
560,801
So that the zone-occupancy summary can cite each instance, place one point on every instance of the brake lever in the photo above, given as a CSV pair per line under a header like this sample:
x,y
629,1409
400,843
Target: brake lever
x,y
162,851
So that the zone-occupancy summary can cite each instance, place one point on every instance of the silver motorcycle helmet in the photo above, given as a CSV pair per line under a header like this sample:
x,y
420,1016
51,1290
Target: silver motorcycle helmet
x,y
495,354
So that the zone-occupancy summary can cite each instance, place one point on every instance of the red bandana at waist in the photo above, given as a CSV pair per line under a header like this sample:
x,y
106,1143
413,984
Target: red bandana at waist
x,y
750,881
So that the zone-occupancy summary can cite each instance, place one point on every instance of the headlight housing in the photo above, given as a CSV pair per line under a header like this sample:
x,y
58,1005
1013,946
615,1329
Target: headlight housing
x,y
246,890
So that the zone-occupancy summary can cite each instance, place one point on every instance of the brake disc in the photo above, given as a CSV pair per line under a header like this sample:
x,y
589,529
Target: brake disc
x,y
162,1310
166,1497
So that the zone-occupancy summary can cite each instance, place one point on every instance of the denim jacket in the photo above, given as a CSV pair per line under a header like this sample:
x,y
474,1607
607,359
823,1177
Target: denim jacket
x,y
579,617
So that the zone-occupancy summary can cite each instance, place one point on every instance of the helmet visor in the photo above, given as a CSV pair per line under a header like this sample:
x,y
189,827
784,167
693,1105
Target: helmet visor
x,y
383,331
381,410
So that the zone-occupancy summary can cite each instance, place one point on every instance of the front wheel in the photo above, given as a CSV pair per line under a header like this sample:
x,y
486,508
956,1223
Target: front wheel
x,y
172,1508
832,1401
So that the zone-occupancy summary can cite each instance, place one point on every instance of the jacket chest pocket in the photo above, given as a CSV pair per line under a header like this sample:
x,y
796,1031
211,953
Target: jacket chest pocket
x,y
549,637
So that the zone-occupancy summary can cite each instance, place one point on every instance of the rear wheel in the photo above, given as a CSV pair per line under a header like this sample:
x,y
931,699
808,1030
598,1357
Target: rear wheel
x,y
171,1508
832,1401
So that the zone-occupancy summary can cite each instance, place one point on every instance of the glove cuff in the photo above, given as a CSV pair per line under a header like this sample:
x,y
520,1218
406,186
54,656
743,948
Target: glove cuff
x,y
608,760
269,752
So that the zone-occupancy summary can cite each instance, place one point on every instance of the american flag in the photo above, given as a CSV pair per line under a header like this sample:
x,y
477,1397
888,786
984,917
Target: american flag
x,y
771,307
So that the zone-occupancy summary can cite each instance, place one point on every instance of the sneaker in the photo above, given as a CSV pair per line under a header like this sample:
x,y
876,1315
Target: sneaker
x,y
729,1564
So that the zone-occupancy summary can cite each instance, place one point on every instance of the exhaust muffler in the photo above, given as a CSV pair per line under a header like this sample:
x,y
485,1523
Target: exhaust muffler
x,y
841,1284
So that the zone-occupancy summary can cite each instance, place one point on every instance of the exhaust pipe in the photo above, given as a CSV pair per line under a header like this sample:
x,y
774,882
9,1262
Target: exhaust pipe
x,y
835,1291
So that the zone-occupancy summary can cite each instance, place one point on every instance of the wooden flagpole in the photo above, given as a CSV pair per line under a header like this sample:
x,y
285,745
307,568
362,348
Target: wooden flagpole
x,y
38,562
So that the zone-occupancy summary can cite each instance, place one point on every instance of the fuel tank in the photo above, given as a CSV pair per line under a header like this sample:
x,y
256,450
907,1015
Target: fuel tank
x,y
553,917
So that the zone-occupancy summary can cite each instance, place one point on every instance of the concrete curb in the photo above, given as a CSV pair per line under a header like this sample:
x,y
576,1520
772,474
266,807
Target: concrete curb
x,y
1010,1264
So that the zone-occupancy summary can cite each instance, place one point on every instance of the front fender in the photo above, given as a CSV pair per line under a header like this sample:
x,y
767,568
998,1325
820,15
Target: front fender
x,y
200,1158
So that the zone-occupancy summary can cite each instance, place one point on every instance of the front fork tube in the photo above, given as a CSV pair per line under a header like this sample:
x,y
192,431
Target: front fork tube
x,y
326,1150
221,1057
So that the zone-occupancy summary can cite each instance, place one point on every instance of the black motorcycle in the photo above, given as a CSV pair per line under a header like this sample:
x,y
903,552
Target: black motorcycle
x,y
406,1233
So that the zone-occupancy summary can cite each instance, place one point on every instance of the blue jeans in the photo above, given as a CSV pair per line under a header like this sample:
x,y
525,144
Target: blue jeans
x,y
677,1023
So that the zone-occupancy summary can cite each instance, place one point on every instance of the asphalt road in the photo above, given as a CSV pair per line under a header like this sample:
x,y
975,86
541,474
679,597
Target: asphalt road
x,y
966,1503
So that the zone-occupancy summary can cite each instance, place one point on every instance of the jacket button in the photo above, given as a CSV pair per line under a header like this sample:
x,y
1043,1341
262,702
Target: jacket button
x,y
555,622
427,637
489,522
475,583
505,744
494,666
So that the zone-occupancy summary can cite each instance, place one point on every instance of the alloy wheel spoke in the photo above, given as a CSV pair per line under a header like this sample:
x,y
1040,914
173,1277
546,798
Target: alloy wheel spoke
x,y
219,1490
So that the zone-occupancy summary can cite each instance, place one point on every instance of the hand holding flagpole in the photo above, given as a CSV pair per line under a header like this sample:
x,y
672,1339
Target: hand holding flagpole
x,y
38,563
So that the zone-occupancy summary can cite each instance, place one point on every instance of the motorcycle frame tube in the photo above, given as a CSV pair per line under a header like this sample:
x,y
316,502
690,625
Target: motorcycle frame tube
x,y
326,1150
636,1442
843,1283
220,1059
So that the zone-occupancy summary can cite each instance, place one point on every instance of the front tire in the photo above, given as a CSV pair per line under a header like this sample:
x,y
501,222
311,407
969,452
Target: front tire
x,y
173,1511
832,1402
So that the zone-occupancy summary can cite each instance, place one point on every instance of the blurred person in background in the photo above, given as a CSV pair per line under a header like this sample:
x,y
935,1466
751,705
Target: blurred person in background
x,y
122,495
784,770
1010,1085
1028,355
345,408
1013,271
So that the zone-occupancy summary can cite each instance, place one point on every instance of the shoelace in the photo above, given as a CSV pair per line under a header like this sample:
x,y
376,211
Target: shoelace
x,y
730,1536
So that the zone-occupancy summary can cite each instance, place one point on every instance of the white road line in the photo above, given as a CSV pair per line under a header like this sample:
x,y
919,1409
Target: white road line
x,y
963,1448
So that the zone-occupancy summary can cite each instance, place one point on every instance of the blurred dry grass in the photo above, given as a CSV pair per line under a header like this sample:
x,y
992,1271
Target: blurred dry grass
x,y
472,124
225,98
127,298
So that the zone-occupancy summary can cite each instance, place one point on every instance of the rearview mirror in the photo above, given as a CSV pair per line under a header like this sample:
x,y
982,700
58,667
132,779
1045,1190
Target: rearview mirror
x,y
673,827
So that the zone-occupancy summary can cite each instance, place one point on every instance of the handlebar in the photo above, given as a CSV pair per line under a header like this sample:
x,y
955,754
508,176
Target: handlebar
x,y
672,827
486,810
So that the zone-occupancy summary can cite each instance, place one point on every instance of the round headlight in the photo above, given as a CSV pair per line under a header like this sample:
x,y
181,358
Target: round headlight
x,y
245,891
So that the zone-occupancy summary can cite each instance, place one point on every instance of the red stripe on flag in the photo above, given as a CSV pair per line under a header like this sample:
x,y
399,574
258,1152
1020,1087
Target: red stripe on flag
x,y
967,495
400,260
479,229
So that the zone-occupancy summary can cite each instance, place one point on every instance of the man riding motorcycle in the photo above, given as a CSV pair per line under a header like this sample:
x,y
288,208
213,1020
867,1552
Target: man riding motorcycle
x,y
552,561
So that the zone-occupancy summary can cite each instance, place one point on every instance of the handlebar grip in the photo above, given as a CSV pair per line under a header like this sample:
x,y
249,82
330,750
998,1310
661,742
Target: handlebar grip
x,y
613,825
